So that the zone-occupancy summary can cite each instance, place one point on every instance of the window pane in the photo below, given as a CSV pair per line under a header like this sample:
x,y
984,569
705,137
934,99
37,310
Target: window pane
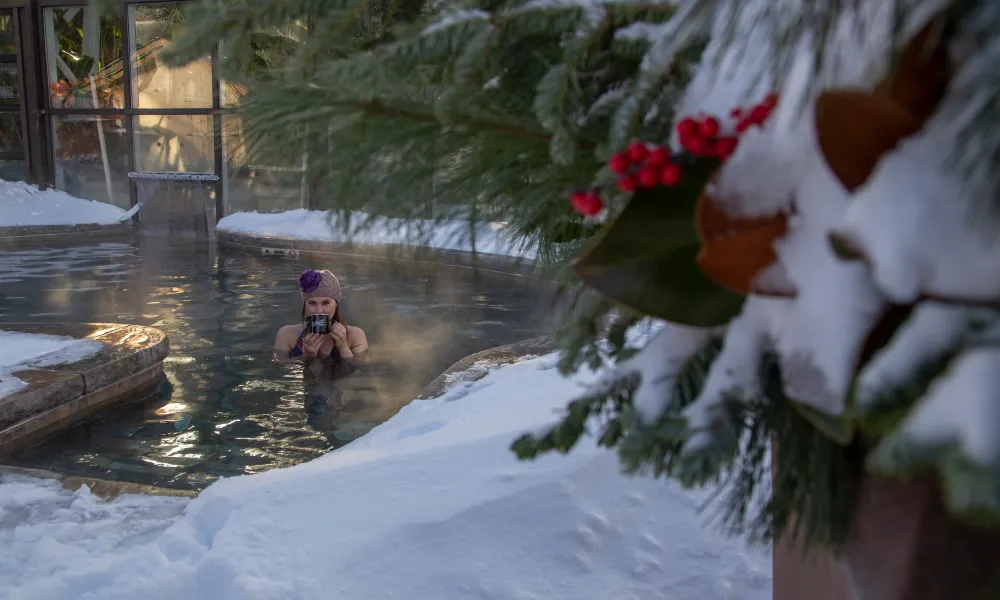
x,y
174,143
154,84
83,58
13,170
8,45
9,85
10,132
271,48
255,187
91,158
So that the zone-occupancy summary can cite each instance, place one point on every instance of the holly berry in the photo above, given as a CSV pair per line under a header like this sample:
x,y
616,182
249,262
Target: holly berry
x,y
709,127
736,114
760,113
697,146
629,183
771,100
658,157
648,176
637,151
619,163
725,146
670,175
687,128
587,203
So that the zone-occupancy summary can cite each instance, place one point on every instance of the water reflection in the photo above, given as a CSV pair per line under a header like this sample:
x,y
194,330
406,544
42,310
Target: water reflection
x,y
228,408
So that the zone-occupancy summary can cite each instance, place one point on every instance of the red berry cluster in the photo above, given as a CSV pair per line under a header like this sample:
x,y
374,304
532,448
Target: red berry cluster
x,y
704,136
644,165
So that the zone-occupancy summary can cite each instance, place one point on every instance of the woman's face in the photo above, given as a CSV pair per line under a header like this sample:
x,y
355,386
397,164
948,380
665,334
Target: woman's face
x,y
321,306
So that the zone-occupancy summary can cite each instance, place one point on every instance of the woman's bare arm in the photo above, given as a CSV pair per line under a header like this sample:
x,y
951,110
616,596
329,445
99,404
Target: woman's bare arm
x,y
283,344
358,342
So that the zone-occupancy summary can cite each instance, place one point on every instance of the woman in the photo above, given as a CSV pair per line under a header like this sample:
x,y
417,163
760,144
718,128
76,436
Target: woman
x,y
321,295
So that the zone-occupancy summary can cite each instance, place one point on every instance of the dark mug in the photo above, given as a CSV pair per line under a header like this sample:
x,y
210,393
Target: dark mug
x,y
317,324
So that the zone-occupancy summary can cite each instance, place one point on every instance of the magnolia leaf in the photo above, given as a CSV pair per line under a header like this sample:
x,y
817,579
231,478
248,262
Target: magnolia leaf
x,y
737,250
923,70
856,128
645,258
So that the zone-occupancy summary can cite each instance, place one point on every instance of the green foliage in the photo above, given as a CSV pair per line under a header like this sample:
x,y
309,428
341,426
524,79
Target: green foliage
x,y
809,495
645,259
603,404
484,108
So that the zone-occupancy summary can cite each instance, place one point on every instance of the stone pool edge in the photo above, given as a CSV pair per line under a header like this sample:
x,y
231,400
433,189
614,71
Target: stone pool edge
x,y
103,488
464,371
42,233
59,397
286,246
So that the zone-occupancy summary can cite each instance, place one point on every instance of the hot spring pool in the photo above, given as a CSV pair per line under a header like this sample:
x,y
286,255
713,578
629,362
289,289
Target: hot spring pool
x,y
229,409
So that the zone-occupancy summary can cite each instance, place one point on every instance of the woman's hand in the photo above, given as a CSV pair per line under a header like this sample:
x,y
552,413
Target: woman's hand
x,y
311,344
339,333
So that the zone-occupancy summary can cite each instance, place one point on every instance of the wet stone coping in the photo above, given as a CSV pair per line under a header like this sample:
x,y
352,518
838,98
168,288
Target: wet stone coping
x,y
294,248
476,366
42,233
102,488
57,397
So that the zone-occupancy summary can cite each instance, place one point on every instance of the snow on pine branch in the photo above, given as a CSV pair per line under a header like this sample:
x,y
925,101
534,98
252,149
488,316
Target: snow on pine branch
x,y
933,332
458,17
659,363
913,223
962,408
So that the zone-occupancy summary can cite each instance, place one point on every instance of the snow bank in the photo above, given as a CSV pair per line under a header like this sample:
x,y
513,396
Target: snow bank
x,y
23,205
430,504
321,226
19,351
52,527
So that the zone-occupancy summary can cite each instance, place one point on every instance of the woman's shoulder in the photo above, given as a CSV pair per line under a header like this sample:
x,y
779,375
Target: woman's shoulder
x,y
289,332
356,336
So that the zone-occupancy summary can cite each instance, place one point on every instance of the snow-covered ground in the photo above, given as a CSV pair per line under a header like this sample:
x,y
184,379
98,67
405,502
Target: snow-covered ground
x,y
22,204
314,225
429,505
20,351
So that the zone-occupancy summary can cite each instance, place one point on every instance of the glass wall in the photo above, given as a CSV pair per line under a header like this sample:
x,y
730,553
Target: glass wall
x,y
91,157
107,105
83,58
249,185
154,85
13,164
174,143
255,187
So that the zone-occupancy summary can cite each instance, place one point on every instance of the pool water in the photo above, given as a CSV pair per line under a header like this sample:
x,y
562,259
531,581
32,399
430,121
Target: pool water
x,y
228,408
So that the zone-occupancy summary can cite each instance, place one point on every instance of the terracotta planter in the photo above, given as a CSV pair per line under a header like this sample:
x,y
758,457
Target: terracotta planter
x,y
903,546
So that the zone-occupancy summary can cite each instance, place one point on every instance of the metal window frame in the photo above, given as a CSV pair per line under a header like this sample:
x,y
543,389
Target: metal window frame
x,y
17,10
38,114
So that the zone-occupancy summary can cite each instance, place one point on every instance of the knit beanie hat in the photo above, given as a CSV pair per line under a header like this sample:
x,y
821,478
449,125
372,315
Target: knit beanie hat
x,y
314,283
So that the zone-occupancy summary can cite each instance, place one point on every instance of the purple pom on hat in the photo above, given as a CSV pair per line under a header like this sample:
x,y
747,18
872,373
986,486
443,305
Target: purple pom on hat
x,y
310,280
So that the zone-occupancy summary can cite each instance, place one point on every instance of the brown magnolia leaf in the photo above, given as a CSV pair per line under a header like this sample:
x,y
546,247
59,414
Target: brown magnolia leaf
x,y
922,71
856,128
735,250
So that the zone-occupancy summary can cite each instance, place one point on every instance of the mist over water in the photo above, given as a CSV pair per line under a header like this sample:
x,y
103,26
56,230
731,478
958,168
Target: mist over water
x,y
229,409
